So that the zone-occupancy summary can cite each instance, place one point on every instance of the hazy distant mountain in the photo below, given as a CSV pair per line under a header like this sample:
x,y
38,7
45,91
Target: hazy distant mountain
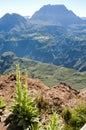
x,y
8,21
55,14
50,43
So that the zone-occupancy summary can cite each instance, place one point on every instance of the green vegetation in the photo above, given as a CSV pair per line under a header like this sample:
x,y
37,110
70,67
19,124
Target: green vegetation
x,y
54,124
74,118
23,112
2,106
49,74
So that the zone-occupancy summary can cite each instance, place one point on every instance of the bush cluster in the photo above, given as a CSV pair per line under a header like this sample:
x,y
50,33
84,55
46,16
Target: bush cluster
x,y
74,118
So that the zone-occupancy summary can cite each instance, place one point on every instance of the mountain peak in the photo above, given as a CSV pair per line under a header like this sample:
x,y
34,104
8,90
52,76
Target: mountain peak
x,y
53,7
13,15
8,21
55,14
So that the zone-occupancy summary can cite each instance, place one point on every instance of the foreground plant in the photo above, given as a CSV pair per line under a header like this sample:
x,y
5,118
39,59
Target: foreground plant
x,y
23,112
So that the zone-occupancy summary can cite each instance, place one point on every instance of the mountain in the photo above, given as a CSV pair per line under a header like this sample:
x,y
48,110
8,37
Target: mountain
x,y
55,14
9,21
49,74
50,43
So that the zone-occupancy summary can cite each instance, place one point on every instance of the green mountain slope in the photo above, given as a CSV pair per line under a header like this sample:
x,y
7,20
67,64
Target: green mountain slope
x,y
48,73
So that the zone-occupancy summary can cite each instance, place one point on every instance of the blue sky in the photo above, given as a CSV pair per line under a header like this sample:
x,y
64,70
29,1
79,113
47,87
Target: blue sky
x,y
28,7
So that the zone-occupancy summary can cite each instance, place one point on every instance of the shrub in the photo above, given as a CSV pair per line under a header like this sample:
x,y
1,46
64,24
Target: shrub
x,y
74,118
53,123
23,112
